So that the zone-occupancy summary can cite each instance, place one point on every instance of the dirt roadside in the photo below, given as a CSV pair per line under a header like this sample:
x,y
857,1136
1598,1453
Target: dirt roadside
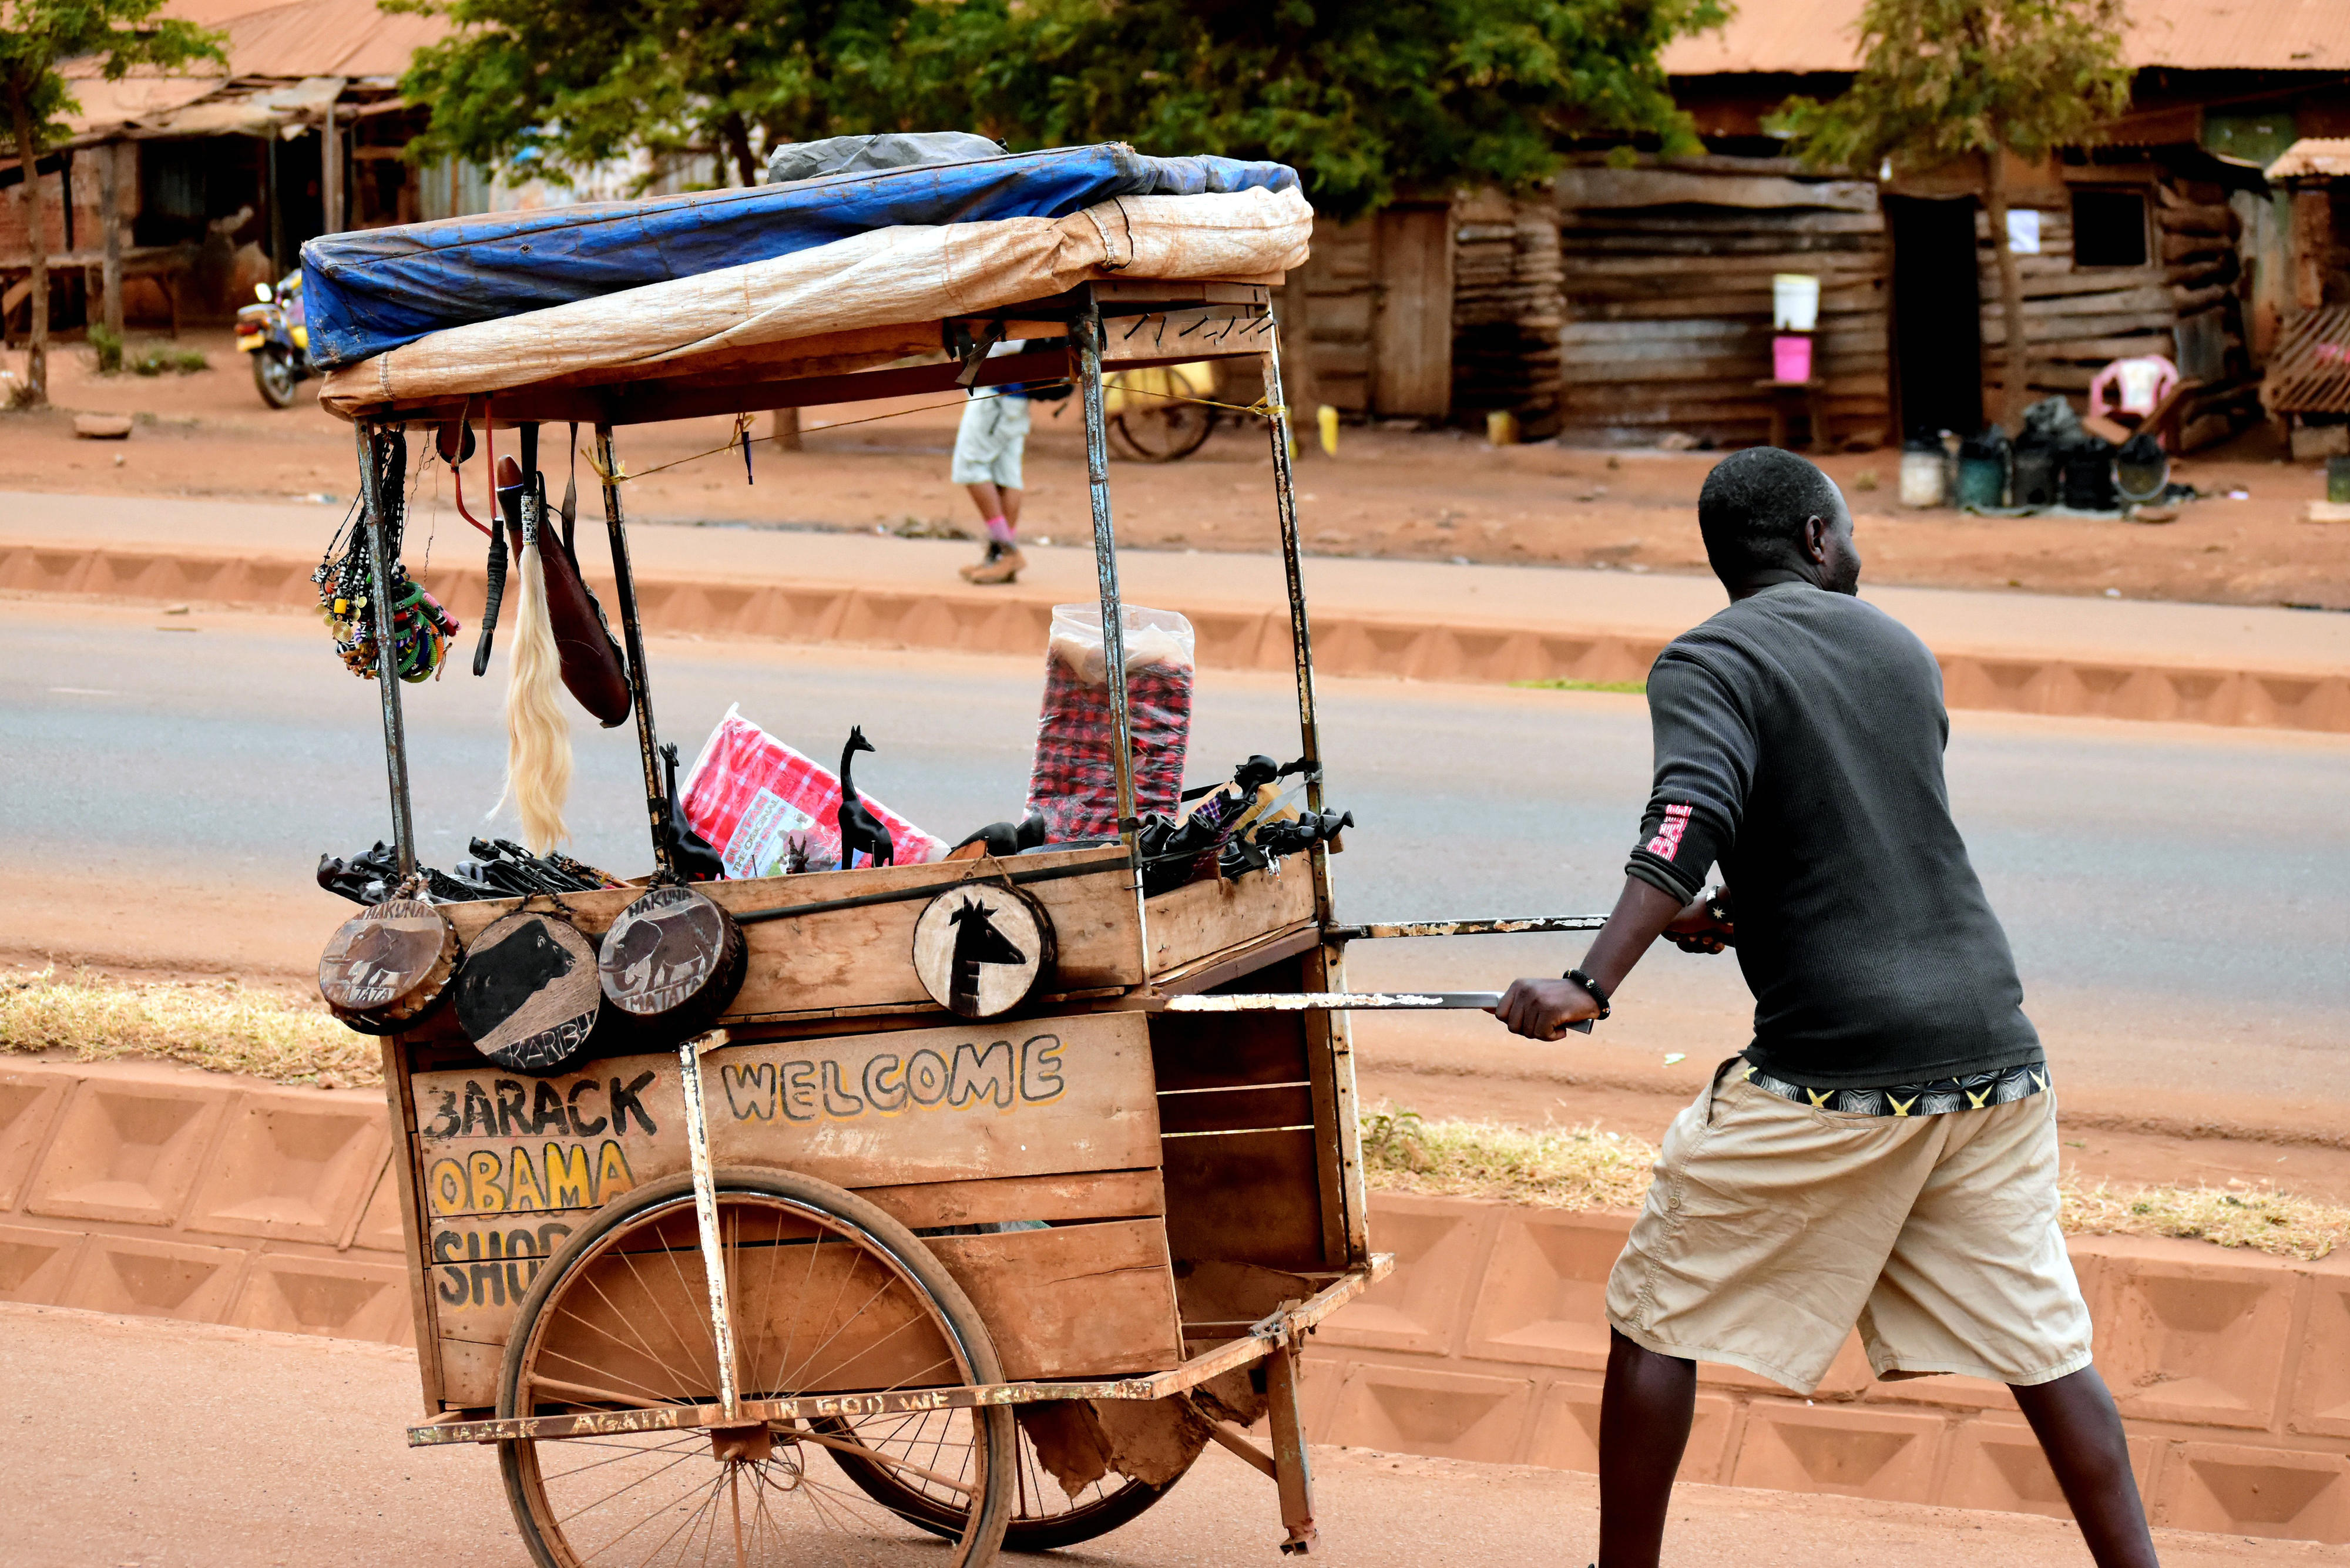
x,y
140,1442
1392,492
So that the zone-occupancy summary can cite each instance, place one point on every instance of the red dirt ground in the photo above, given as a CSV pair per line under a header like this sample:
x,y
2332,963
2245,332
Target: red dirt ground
x,y
1393,492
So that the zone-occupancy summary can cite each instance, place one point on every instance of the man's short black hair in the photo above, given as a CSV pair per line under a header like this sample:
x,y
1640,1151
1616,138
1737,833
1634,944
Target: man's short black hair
x,y
1753,508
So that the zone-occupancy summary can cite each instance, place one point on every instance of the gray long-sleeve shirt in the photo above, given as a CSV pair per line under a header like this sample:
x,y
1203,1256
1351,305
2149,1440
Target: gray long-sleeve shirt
x,y
1799,738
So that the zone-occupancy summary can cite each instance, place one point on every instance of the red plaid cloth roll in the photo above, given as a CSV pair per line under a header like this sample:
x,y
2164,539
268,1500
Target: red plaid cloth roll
x,y
1072,784
750,792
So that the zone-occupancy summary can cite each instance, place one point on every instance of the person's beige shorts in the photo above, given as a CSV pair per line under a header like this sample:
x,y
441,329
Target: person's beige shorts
x,y
990,442
1773,1229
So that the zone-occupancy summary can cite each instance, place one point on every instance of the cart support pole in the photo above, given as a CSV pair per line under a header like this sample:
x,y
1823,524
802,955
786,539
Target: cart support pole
x,y
376,508
633,640
1284,496
1121,722
1346,1231
705,1213
1293,1471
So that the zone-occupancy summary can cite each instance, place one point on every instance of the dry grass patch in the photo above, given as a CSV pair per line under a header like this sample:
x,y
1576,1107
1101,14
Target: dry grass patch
x,y
1586,1168
216,1024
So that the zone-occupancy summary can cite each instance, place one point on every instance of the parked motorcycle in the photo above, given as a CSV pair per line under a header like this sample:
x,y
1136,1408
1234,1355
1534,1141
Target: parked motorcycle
x,y
276,333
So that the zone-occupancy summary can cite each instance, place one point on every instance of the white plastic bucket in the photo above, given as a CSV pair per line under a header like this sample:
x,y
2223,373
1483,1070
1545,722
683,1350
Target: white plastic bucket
x,y
1794,302
1921,478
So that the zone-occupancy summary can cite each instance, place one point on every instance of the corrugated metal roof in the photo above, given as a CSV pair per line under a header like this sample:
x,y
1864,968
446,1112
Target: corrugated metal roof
x,y
2313,157
1807,36
286,63
326,38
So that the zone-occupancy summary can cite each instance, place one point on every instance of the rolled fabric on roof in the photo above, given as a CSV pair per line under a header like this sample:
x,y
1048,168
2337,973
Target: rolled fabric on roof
x,y
878,278
373,290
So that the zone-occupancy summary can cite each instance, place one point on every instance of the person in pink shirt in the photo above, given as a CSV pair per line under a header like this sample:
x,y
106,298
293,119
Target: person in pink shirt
x,y
2135,386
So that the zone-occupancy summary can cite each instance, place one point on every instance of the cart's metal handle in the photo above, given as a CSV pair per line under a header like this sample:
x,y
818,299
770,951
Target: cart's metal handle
x,y
1342,1000
1503,925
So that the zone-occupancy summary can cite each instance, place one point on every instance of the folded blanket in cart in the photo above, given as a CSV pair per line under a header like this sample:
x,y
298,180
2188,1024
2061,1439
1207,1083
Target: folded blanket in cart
x,y
885,278
372,290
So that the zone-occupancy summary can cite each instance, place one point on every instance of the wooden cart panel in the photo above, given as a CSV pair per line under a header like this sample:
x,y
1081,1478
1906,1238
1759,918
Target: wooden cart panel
x,y
860,960
1045,1119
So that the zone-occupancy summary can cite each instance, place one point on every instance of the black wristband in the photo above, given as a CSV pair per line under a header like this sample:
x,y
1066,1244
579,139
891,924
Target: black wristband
x,y
1598,991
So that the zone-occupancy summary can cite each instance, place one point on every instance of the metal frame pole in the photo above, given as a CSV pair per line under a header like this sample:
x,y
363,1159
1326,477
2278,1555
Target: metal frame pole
x,y
374,442
1284,492
1345,1224
632,641
1090,365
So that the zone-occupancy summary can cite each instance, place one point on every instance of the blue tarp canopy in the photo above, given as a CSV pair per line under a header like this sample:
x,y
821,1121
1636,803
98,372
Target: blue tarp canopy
x,y
374,289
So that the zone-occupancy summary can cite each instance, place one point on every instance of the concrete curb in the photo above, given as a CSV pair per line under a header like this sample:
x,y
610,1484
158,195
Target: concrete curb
x,y
157,1192
1231,636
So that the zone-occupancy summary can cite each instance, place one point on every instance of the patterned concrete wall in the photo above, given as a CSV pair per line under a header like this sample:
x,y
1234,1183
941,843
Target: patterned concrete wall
x,y
992,621
170,1193
2231,1368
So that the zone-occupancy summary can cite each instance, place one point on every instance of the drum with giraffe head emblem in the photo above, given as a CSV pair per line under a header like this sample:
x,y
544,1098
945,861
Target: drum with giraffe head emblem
x,y
982,949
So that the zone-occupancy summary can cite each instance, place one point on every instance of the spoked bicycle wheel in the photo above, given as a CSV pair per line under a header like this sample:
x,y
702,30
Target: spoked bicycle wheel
x,y
828,1294
1044,1516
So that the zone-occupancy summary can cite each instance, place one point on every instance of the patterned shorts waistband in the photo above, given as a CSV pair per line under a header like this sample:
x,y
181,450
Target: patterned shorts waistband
x,y
1975,1092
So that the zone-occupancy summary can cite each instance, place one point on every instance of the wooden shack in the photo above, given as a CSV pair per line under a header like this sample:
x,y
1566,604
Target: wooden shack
x,y
2132,258
1666,280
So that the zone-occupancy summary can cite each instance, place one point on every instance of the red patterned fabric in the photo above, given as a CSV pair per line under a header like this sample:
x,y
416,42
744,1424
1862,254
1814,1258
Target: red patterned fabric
x,y
750,792
1071,783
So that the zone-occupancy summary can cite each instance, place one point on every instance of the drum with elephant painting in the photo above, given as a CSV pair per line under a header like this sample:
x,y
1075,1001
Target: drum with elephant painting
x,y
388,966
673,961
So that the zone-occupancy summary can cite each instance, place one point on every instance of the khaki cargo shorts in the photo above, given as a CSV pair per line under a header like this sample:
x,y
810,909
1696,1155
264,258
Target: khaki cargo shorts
x,y
991,440
1773,1229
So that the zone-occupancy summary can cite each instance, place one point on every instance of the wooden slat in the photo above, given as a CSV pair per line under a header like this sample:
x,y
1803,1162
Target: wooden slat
x,y
1203,917
1214,1050
1594,188
1250,1198
1224,1110
864,957
1091,1195
1072,1301
408,1185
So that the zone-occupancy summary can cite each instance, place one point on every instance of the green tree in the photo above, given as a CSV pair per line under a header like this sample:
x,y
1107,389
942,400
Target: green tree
x,y
550,87
1368,99
1943,81
35,37
1365,98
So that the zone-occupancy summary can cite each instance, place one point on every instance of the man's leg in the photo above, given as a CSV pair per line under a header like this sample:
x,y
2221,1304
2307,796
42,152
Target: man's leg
x,y
991,501
2081,1432
1644,1424
1008,497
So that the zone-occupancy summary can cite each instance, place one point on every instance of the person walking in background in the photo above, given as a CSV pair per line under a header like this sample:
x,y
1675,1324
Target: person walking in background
x,y
1883,1153
989,446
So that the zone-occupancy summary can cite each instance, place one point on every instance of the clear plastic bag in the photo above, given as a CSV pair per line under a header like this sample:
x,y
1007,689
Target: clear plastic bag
x,y
1072,785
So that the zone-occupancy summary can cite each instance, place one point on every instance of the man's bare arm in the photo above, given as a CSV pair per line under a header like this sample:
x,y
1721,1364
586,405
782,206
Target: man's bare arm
x,y
1542,1009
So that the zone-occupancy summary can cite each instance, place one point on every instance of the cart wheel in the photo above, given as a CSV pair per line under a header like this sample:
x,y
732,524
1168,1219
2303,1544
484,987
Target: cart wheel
x,y
1045,1516
1160,429
829,1294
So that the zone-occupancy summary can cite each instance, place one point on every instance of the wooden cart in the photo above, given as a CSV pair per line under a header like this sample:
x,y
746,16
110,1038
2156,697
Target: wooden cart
x,y
851,1264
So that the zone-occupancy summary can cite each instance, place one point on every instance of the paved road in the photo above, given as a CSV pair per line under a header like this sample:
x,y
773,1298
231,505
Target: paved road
x,y
2179,897
149,1443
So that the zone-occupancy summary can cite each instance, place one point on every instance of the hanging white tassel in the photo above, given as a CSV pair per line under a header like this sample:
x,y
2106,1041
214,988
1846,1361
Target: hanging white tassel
x,y
538,734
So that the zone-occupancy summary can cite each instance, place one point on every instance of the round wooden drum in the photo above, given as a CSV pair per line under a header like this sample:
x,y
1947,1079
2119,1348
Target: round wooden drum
x,y
389,965
673,961
528,996
982,947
